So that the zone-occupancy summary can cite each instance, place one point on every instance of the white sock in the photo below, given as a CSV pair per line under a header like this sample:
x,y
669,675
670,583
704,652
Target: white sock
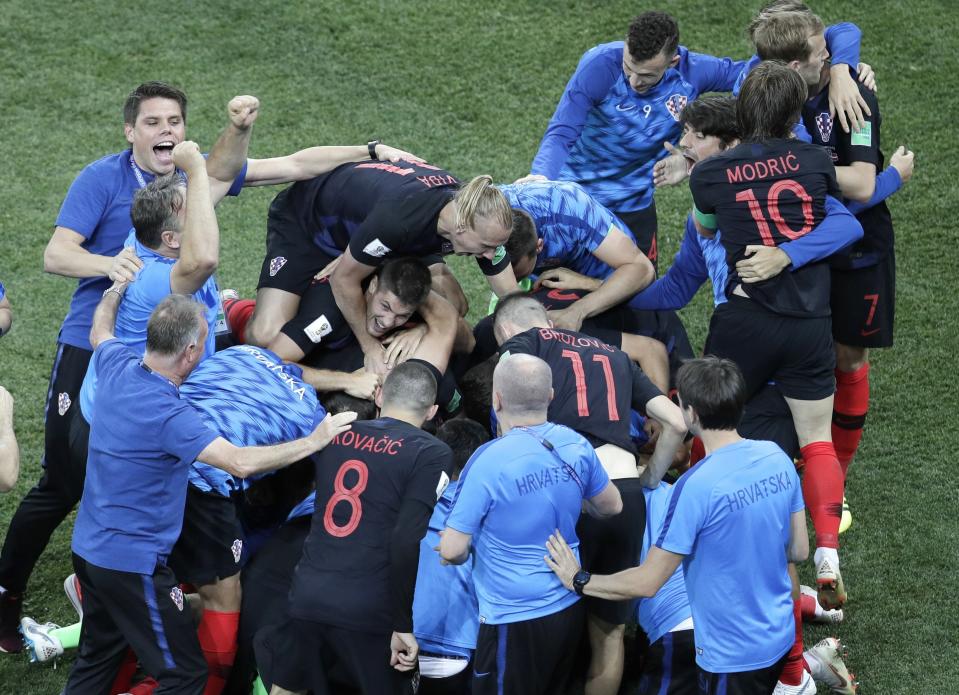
x,y
830,554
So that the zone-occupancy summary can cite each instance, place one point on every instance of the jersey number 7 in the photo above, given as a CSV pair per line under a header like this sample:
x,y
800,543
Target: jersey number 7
x,y
772,204
582,402
350,496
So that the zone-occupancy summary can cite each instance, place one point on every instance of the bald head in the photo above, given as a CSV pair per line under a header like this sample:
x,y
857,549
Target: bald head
x,y
524,385
516,313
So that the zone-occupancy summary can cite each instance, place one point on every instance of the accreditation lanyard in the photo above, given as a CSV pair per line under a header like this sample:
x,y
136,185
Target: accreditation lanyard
x,y
562,462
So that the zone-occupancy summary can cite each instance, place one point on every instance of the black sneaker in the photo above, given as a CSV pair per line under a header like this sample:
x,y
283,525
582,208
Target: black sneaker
x,y
11,642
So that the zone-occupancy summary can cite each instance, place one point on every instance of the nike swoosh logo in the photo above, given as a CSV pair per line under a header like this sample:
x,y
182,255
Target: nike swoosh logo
x,y
481,675
627,107
868,333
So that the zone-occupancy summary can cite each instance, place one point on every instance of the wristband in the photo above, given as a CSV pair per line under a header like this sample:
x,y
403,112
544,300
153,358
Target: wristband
x,y
371,147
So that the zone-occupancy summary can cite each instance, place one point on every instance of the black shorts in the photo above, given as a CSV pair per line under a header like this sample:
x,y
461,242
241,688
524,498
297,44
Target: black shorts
x,y
767,417
863,304
210,545
607,546
796,353
670,666
644,225
758,682
531,657
305,655
292,259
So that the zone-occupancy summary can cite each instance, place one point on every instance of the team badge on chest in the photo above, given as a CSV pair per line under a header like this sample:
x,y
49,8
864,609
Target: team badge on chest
x,y
675,105
176,595
824,123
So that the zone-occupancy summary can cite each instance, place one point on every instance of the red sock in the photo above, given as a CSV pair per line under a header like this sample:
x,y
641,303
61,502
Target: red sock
x,y
795,664
697,452
808,605
145,687
822,486
128,667
238,313
849,413
217,633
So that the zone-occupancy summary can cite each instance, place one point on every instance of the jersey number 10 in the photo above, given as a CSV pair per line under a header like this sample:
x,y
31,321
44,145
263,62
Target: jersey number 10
x,y
772,204
582,402
350,496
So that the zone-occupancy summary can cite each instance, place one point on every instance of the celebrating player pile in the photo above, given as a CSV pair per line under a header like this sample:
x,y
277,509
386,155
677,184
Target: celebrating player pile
x,y
437,533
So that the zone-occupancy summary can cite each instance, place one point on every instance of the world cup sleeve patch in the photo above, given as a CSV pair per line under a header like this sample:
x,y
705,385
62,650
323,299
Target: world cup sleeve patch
x,y
441,485
318,329
376,248
499,255
862,136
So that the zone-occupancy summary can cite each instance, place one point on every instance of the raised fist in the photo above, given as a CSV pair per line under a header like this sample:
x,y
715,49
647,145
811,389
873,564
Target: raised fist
x,y
186,156
243,110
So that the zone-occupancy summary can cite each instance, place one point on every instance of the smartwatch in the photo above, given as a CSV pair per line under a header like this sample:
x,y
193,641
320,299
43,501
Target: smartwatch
x,y
371,147
580,580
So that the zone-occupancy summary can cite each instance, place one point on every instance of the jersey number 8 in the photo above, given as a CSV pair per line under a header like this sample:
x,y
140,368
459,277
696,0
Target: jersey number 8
x,y
350,496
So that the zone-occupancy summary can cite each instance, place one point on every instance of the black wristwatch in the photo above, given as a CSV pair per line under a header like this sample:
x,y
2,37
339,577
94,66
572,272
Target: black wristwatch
x,y
371,146
580,580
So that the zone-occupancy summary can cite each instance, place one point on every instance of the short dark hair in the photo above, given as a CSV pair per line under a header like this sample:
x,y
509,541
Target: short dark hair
x,y
651,34
520,308
340,402
785,35
410,385
463,436
712,114
174,325
715,389
770,101
155,208
522,239
476,385
151,90
408,278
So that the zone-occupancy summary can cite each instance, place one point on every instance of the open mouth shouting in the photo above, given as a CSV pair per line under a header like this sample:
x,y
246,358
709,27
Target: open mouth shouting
x,y
163,152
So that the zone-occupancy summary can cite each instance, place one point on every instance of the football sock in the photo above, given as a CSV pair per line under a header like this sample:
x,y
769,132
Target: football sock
x,y
794,666
69,636
238,313
217,633
849,413
809,607
822,488
145,687
128,667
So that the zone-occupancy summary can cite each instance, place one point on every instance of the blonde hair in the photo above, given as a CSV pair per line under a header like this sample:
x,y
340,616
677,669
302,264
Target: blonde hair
x,y
481,198
785,35
771,8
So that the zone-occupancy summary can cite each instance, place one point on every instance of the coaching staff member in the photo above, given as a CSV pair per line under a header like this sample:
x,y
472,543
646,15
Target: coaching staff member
x,y
532,479
143,438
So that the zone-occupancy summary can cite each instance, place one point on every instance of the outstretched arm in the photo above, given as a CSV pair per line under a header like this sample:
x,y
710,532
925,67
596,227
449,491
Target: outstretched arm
x,y
9,450
314,161
229,153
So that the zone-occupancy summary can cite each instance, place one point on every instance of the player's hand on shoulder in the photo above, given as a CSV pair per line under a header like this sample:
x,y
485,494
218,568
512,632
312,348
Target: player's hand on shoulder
x,y
845,101
363,384
761,263
331,426
186,156
125,266
243,110
402,344
374,362
385,153
531,178
404,651
867,76
904,161
670,170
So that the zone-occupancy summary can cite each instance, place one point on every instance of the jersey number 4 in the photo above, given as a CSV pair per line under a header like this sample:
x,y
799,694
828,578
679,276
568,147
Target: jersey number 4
x,y
582,402
772,204
350,496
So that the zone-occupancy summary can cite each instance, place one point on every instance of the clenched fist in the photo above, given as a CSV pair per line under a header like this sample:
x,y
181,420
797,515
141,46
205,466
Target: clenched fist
x,y
243,111
186,156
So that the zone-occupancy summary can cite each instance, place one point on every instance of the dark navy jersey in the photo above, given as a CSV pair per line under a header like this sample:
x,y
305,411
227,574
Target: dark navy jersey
x,y
859,145
378,210
363,479
769,193
594,384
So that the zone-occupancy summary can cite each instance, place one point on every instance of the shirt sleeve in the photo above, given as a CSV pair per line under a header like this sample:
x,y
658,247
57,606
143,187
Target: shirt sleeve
x,y
686,514
843,41
238,182
643,389
598,478
522,344
838,230
700,189
473,498
184,433
796,503
111,356
861,144
429,479
382,234
708,73
588,86
679,285
3,291
85,204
